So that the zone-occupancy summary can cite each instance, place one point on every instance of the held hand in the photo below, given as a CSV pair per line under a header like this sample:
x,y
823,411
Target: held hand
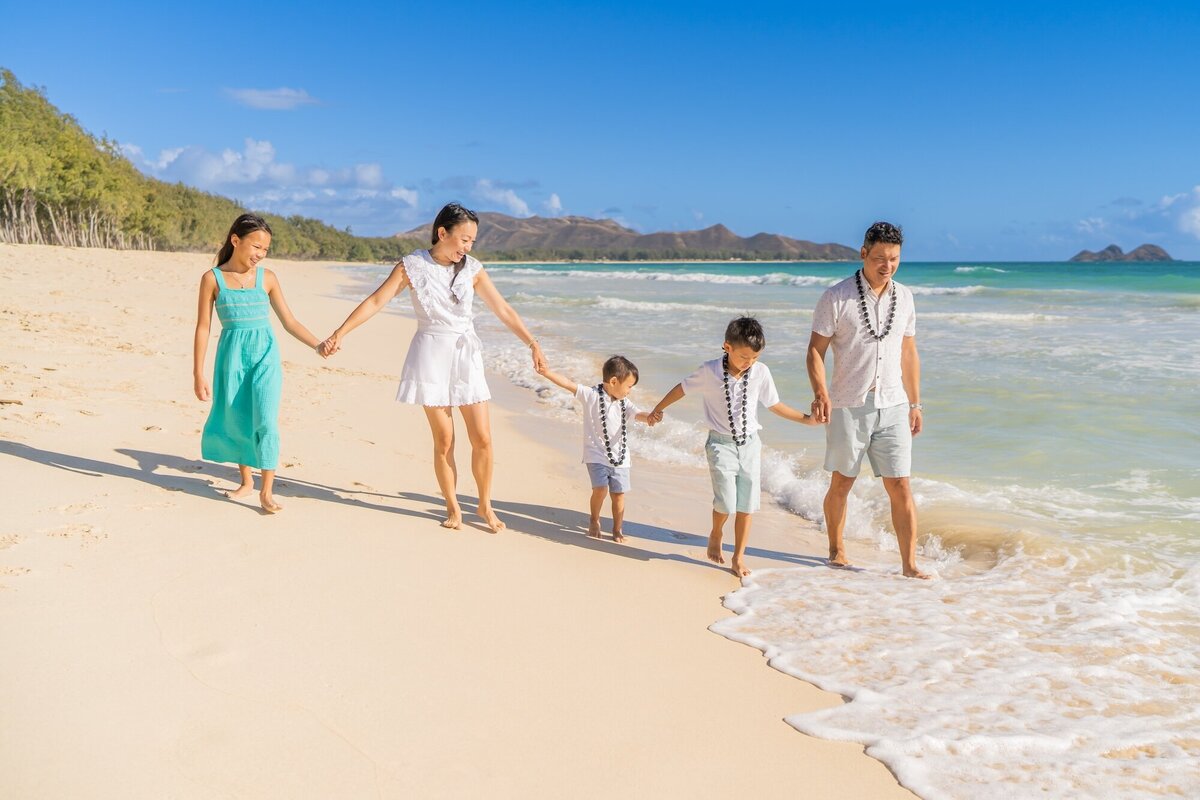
x,y
539,359
330,346
201,388
821,409
915,423
656,417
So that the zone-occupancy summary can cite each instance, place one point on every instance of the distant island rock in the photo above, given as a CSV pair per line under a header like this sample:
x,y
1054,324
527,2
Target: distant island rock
x,y
576,238
1147,252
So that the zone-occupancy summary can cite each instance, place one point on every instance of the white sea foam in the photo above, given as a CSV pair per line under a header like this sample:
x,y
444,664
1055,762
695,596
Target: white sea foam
x,y
978,269
770,279
944,290
991,317
1040,676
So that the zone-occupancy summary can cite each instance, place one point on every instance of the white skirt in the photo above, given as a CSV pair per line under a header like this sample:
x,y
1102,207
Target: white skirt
x,y
444,367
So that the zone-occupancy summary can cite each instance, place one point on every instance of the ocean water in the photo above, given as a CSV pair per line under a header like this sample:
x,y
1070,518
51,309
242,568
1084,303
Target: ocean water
x,y
1057,654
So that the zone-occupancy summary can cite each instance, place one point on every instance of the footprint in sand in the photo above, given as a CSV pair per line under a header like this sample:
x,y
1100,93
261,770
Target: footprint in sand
x,y
76,508
9,540
152,428
87,534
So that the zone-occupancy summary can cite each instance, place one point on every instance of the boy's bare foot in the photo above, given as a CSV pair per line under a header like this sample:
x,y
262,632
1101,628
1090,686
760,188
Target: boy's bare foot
x,y
618,536
714,548
739,569
594,529
268,504
837,558
913,572
491,519
241,491
453,519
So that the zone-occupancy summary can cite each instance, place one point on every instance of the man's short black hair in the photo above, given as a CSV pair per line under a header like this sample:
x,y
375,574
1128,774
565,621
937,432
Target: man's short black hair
x,y
620,367
746,332
883,233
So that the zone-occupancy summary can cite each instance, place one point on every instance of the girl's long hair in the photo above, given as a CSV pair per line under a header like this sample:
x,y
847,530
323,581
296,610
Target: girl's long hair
x,y
242,227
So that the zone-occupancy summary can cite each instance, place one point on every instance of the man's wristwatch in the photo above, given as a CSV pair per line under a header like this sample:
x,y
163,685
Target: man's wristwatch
x,y
917,406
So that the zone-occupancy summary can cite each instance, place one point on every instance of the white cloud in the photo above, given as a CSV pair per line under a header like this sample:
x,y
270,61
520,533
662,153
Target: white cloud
x,y
553,205
282,99
1189,221
507,199
409,196
1092,225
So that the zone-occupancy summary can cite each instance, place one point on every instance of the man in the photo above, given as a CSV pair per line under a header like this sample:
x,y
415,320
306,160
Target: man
x,y
872,406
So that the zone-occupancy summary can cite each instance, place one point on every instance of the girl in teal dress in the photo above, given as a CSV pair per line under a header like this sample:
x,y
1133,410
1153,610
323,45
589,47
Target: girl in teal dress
x,y
243,425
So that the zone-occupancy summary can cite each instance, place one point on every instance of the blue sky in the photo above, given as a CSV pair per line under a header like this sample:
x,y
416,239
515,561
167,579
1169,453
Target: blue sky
x,y
1006,132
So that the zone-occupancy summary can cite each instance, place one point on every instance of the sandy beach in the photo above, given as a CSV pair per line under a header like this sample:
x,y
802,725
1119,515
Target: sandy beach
x,y
162,641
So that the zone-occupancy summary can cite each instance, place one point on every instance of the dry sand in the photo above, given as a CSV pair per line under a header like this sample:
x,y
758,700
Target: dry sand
x,y
161,641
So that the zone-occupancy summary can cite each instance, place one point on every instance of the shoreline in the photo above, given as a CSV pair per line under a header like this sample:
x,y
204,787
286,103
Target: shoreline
x,y
169,641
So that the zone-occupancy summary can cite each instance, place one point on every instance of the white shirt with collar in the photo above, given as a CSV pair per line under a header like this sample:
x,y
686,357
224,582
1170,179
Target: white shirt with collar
x,y
708,382
593,436
860,362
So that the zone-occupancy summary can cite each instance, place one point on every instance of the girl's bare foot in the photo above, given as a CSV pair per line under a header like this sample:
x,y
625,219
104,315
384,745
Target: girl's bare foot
x,y
913,572
714,548
268,504
241,491
618,536
739,569
453,520
837,558
594,529
491,519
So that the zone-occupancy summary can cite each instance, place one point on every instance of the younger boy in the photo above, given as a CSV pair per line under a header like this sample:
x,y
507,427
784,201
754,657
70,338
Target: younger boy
x,y
606,413
731,388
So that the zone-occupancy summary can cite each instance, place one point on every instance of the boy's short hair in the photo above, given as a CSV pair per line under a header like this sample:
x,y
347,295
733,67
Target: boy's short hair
x,y
620,367
883,233
745,332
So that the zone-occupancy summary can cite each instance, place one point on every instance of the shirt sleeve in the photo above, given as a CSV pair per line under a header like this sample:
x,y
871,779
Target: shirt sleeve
x,y
825,316
695,382
631,410
768,395
582,392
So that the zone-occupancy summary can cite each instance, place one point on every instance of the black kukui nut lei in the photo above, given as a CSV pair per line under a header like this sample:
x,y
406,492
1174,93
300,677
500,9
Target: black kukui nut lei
x,y
862,308
729,400
616,462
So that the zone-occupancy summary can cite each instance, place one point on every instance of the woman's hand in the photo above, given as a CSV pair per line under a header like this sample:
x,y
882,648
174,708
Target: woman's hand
x,y
330,345
201,388
539,358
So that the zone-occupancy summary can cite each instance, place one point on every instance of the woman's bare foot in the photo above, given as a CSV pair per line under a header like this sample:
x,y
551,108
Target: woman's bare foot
x,y
453,520
491,519
739,569
241,491
714,548
594,529
268,504
837,558
618,536
913,572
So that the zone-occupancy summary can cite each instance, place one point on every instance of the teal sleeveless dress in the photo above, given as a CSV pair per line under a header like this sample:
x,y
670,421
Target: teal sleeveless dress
x,y
243,425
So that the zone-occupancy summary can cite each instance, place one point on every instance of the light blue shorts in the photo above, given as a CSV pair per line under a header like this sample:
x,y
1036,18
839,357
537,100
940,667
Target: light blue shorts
x,y
882,434
735,472
615,479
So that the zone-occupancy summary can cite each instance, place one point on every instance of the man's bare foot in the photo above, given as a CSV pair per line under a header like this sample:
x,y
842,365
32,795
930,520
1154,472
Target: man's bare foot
x,y
618,536
268,504
913,572
453,520
491,519
837,558
594,529
241,491
714,548
739,569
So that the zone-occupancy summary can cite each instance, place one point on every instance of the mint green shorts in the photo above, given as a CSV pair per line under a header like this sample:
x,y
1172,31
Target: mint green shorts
x,y
735,472
881,434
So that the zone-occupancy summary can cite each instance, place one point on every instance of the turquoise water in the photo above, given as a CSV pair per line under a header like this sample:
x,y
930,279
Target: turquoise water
x,y
1058,482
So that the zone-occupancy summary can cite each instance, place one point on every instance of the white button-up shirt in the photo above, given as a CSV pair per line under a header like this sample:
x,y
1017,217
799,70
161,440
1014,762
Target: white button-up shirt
x,y
708,381
859,361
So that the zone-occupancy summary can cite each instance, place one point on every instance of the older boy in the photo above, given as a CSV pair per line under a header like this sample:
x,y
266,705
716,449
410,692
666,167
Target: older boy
x,y
731,388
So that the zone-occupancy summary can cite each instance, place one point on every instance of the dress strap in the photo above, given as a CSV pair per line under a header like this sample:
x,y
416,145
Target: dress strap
x,y
258,278
220,278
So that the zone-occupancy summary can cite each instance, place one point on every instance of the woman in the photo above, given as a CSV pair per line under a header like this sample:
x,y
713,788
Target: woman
x,y
444,366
